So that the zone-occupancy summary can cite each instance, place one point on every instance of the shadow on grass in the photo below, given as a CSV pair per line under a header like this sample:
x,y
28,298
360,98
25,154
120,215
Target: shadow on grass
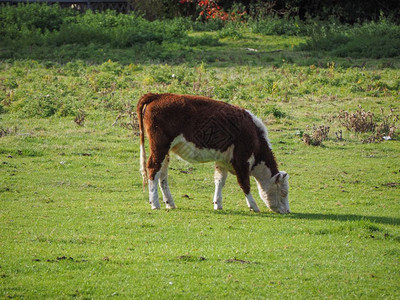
x,y
345,217
315,216
217,56
220,56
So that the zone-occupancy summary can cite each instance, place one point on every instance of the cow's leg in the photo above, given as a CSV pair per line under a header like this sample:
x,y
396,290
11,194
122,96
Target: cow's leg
x,y
243,177
251,203
220,175
153,191
154,165
163,182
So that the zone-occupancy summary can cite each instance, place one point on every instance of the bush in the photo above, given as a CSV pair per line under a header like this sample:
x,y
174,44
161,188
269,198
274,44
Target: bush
x,y
371,40
118,30
34,24
232,30
209,25
273,25
33,16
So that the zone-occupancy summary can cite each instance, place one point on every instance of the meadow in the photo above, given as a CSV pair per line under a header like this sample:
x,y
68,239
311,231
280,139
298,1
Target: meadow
x,y
75,222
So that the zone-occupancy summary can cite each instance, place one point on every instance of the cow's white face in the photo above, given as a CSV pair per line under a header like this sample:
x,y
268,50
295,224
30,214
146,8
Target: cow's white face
x,y
273,190
278,192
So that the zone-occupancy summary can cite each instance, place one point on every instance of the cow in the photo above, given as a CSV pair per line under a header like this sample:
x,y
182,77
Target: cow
x,y
199,129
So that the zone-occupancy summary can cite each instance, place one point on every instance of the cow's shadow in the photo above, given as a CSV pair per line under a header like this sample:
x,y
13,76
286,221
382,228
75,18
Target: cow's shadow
x,y
315,216
346,217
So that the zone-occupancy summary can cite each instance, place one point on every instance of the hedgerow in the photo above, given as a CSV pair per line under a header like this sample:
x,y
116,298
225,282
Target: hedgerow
x,y
36,24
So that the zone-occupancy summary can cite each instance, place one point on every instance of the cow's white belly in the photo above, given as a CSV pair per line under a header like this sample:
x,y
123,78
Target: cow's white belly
x,y
189,152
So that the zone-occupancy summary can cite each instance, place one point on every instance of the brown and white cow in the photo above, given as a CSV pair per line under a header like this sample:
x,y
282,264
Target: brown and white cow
x,y
199,129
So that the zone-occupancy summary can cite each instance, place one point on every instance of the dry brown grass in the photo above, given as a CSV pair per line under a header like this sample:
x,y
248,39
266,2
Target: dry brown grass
x,y
361,121
358,121
128,119
318,134
80,118
7,131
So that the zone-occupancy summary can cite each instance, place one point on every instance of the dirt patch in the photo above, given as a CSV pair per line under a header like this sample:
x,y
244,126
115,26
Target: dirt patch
x,y
235,260
392,184
191,258
61,258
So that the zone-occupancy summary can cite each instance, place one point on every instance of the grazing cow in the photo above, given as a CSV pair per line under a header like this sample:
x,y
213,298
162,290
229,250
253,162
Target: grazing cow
x,y
199,129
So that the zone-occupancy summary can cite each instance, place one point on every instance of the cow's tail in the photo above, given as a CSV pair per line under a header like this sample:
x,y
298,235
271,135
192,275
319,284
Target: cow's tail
x,y
140,109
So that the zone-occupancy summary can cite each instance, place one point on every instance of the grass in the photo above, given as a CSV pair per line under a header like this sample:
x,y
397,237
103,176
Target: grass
x,y
372,40
75,223
74,215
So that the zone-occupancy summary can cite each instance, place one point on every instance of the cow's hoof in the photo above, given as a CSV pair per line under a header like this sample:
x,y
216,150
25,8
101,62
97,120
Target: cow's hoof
x,y
217,206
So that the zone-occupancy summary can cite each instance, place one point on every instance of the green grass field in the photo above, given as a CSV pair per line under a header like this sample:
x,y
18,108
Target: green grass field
x,y
75,223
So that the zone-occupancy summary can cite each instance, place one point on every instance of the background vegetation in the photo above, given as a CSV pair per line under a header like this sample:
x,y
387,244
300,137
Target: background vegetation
x,y
345,11
74,221
41,31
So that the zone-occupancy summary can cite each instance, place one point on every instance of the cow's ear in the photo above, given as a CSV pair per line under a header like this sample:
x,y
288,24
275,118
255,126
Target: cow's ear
x,y
278,178
275,179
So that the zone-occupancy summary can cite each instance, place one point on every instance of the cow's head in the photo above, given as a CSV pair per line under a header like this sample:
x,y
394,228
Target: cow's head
x,y
275,191
278,192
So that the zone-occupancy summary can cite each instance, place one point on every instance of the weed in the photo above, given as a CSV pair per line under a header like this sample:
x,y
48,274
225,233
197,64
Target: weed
x,y
275,111
388,124
339,135
7,131
80,118
358,121
128,119
318,135
362,121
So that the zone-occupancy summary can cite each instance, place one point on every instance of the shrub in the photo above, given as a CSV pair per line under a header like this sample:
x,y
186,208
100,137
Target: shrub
x,y
156,9
210,25
274,25
371,40
37,105
118,30
231,30
27,25
211,10
33,16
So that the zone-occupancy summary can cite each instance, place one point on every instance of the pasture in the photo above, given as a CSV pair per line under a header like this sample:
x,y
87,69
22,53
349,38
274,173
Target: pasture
x,y
75,223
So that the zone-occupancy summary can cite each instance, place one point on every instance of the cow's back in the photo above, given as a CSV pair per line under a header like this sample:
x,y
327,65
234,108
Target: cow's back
x,y
205,122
